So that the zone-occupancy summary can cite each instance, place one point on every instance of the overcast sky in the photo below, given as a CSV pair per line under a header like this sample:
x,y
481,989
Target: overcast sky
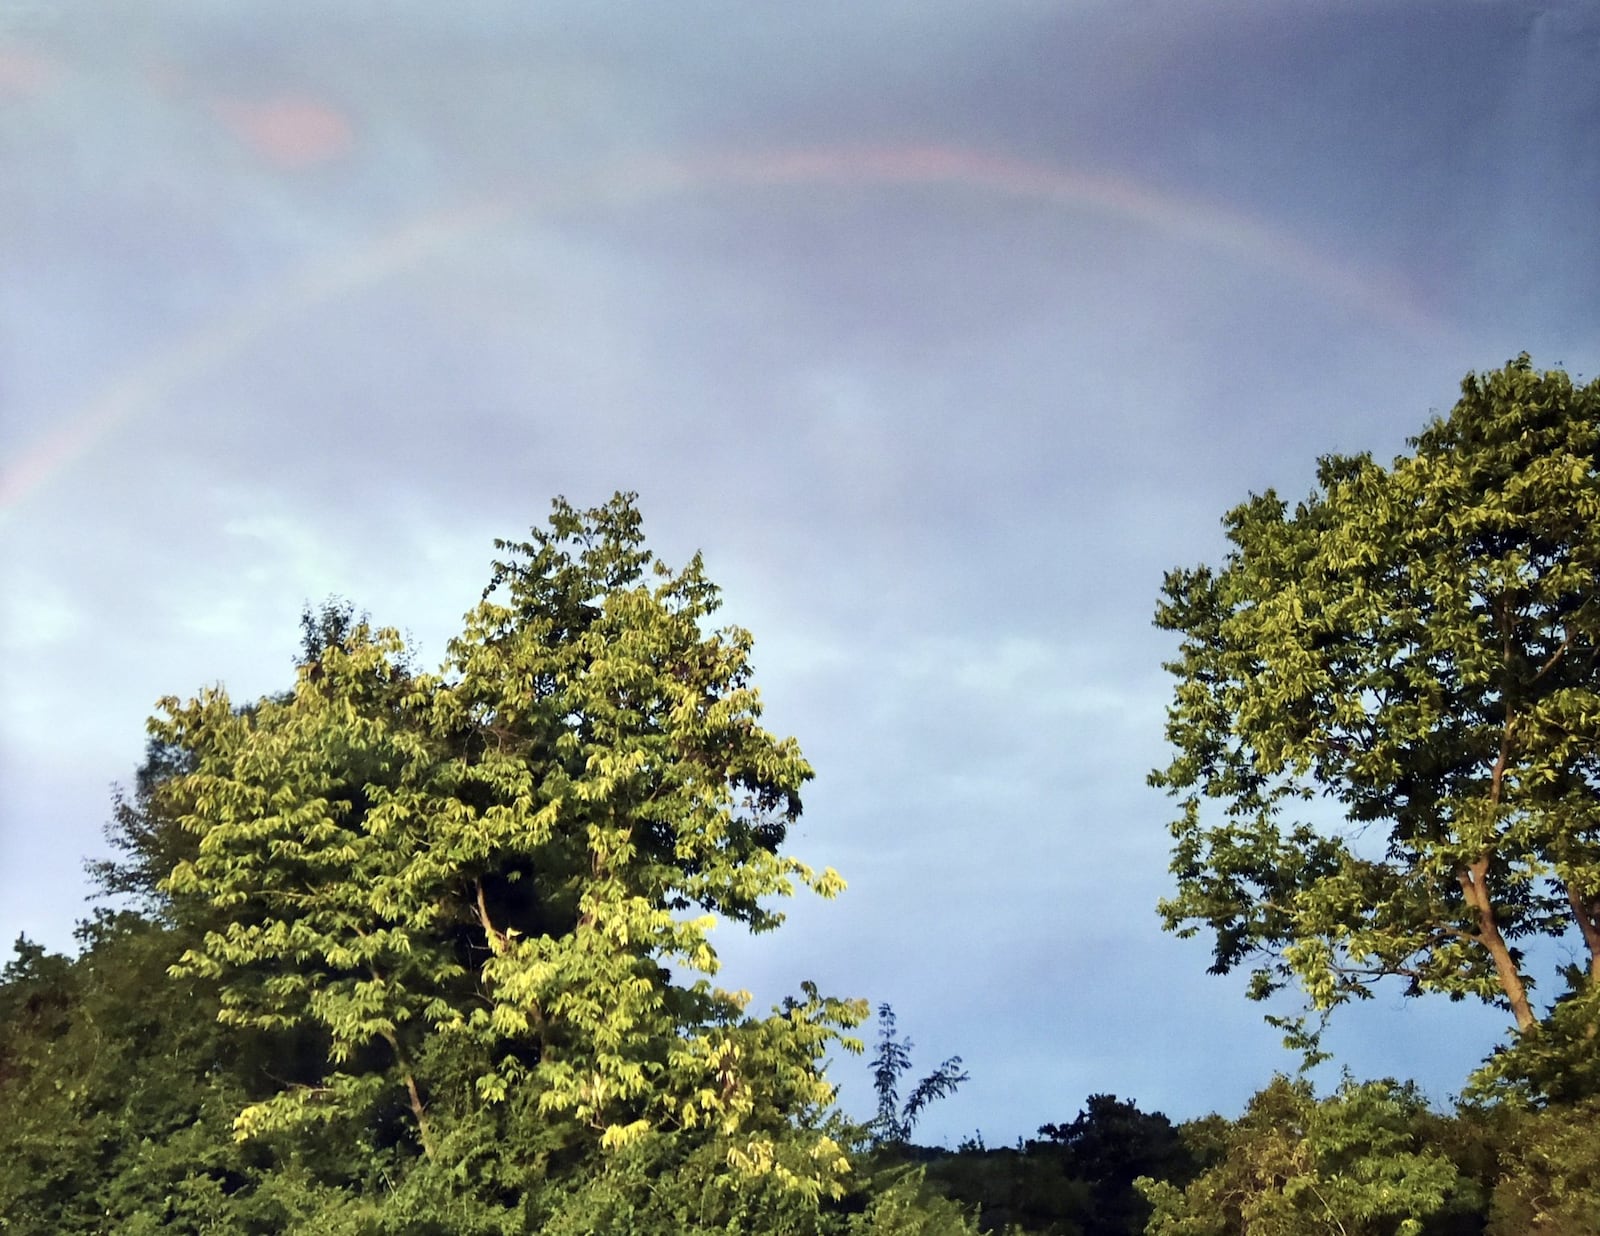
x,y
942,328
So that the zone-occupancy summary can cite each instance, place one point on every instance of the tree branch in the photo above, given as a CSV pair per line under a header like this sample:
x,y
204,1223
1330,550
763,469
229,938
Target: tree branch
x,y
1554,658
1586,915
493,936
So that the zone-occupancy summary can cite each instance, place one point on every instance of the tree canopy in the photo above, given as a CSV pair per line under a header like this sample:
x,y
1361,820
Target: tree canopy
x,y
1358,1163
1386,726
496,885
421,953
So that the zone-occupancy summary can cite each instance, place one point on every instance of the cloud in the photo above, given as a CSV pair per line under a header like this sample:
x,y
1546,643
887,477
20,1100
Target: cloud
x,y
37,611
293,132
25,72
943,329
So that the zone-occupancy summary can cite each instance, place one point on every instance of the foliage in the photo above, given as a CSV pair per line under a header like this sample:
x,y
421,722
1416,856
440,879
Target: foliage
x,y
1548,1178
144,838
891,1061
1356,1164
1417,645
1011,1189
1109,1145
907,1208
1555,1059
411,954
429,954
513,856
118,1088
1076,1179
116,1096
654,1188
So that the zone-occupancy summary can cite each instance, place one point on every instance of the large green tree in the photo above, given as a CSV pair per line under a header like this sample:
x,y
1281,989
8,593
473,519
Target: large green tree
x,y
490,890
1386,727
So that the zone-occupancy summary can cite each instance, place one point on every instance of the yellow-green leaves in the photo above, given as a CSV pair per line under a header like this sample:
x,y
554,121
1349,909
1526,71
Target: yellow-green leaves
x,y
1418,646
499,883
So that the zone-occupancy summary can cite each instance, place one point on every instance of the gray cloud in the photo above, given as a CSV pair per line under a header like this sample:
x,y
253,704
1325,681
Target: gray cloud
x,y
322,302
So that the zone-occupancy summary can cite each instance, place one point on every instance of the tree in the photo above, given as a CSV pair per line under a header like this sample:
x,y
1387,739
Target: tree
x,y
1109,1145
117,1088
145,838
1548,1172
490,891
1416,647
891,1061
143,832
1078,1178
1356,1164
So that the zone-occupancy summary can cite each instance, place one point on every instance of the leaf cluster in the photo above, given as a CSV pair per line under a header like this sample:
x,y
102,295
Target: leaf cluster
x,y
1386,721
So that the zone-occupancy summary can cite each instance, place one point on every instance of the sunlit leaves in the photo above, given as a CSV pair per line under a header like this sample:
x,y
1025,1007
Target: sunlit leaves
x,y
1416,646
527,852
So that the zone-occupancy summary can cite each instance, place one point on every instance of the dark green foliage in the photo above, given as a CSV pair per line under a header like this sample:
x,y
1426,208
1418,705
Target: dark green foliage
x,y
1109,1145
1014,1189
145,836
1548,1172
118,1093
1076,1179
330,625
1555,1059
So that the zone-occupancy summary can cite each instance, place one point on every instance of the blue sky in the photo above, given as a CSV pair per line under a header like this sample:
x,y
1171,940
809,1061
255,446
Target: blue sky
x,y
943,329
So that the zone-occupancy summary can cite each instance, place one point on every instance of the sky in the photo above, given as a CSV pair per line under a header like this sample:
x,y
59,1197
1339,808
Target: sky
x,y
942,329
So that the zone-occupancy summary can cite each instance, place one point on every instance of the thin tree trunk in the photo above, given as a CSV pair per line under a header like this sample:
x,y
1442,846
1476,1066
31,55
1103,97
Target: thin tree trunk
x,y
418,1109
1474,886
1474,880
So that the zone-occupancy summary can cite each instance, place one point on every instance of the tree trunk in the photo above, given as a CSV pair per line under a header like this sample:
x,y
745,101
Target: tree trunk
x,y
418,1109
1473,884
1475,879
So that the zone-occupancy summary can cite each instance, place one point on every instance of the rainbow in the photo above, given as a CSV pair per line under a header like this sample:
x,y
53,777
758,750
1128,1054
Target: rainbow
x,y
397,250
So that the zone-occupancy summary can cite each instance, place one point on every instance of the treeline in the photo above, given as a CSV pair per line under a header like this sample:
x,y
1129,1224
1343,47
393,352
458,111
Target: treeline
x,y
1371,1158
407,952
120,1091
120,1088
